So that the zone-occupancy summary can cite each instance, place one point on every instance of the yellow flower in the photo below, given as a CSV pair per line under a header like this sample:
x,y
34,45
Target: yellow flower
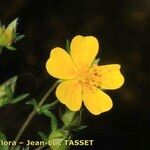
x,y
83,81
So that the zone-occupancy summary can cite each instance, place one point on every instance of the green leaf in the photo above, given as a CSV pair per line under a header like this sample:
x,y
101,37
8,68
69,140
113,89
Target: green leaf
x,y
71,119
35,104
53,119
7,90
19,37
17,148
19,98
96,61
43,136
12,27
68,117
8,35
68,45
80,128
12,83
58,136
3,138
11,48
48,106
26,148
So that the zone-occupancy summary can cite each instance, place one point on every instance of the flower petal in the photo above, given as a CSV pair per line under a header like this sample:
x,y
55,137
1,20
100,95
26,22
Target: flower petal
x,y
69,93
60,64
96,101
109,76
84,50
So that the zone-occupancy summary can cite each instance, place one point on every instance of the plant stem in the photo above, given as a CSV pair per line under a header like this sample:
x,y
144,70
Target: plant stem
x,y
32,114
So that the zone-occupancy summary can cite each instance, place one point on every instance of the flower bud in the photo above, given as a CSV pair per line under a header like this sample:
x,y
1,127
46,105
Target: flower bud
x,y
7,90
56,139
71,119
7,36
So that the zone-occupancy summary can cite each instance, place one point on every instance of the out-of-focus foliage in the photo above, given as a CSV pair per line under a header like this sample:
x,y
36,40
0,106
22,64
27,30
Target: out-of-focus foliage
x,y
7,90
3,138
58,136
9,35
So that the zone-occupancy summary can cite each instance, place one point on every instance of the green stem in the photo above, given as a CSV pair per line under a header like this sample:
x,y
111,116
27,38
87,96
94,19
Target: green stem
x,y
33,113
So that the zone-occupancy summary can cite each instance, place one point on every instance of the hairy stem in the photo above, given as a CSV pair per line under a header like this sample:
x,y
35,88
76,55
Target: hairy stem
x,y
32,114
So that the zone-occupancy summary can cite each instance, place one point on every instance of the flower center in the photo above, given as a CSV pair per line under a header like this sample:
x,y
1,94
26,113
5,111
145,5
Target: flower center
x,y
89,78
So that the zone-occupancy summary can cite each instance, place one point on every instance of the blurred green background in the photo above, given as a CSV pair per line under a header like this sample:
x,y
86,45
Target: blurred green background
x,y
122,28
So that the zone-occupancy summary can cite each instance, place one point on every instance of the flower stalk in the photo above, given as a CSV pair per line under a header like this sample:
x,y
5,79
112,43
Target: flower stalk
x,y
33,113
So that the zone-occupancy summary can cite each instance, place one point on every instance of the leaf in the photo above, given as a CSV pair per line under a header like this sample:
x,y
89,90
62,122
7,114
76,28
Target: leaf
x,y
12,83
68,117
58,136
26,148
34,103
8,35
3,138
19,37
53,119
11,48
49,106
80,128
19,98
12,27
43,136
68,45
7,90
17,148
96,61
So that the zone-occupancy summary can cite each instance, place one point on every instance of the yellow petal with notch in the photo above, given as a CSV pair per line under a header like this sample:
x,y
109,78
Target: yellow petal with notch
x,y
96,101
69,93
84,50
60,64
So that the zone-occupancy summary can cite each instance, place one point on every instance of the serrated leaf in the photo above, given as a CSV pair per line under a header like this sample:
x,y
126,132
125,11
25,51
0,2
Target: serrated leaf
x,y
3,138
